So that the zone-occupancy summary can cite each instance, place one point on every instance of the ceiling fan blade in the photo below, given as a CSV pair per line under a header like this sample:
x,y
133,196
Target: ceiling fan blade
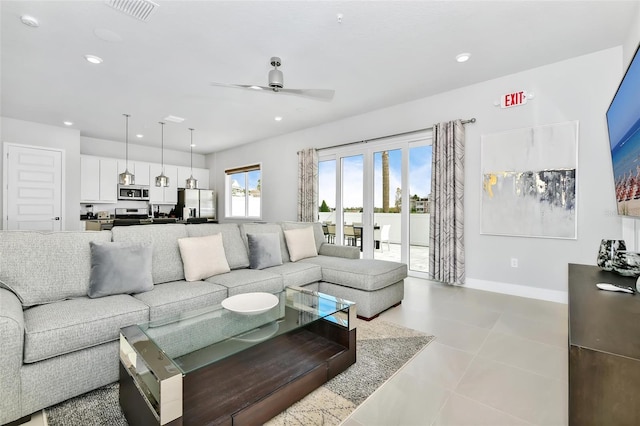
x,y
242,86
320,94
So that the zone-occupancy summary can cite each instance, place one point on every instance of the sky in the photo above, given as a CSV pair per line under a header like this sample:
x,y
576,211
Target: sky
x,y
419,177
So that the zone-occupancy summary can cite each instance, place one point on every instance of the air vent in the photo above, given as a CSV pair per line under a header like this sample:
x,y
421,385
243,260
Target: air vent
x,y
139,9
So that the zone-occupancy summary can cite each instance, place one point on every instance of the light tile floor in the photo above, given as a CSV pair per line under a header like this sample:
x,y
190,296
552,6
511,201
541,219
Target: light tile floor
x,y
497,360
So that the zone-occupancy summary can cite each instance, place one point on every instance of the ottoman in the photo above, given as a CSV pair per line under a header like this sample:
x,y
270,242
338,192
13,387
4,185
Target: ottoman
x,y
374,285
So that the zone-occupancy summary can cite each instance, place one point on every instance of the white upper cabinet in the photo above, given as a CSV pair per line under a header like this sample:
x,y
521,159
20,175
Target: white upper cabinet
x,y
202,175
98,179
142,173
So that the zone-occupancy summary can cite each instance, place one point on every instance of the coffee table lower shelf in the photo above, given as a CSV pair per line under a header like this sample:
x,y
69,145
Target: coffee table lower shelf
x,y
253,386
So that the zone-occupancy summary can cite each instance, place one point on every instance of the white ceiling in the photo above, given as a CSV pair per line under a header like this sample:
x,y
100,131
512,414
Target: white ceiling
x,y
382,53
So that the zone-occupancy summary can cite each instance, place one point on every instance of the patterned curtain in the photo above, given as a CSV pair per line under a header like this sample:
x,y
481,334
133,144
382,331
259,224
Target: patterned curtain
x,y
446,238
308,185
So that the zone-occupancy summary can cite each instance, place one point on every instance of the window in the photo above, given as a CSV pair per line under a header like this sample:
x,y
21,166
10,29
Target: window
x,y
244,188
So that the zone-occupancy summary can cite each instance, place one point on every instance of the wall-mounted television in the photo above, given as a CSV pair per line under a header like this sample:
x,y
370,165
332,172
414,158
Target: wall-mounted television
x,y
623,123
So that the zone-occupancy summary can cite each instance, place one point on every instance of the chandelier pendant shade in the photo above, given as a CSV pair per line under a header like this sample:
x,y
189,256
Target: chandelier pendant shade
x,y
191,182
162,180
126,177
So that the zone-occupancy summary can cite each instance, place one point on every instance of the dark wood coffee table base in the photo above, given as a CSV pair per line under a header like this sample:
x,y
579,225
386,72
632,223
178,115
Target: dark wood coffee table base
x,y
257,384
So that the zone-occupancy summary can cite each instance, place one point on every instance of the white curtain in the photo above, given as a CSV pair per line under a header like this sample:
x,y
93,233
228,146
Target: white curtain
x,y
446,238
308,185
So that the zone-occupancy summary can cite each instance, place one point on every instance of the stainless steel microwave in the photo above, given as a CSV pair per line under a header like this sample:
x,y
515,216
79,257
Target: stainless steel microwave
x,y
133,192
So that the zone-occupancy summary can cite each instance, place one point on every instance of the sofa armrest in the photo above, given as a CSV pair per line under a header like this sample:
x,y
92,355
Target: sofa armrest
x,y
339,251
12,338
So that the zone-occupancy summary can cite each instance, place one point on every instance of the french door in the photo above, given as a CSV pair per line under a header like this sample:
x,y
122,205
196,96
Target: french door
x,y
375,196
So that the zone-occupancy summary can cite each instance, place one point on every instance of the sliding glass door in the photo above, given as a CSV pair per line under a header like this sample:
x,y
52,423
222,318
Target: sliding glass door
x,y
375,196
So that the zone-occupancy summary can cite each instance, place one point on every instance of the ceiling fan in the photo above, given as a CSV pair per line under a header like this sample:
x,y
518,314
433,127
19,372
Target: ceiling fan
x,y
276,85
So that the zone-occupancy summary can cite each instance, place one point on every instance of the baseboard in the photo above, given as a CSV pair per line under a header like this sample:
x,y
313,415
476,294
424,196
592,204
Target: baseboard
x,y
519,290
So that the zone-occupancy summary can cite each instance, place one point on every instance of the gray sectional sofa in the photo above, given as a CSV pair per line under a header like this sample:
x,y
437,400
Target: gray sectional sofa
x,y
58,343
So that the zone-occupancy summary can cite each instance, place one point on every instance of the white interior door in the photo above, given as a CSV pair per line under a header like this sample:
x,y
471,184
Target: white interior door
x,y
33,188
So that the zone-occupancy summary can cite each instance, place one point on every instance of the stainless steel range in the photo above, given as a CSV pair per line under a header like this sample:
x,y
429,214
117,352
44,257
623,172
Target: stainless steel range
x,y
134,216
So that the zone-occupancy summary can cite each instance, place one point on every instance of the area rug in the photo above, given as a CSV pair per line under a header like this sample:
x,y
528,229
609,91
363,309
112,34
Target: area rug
x,y
382,349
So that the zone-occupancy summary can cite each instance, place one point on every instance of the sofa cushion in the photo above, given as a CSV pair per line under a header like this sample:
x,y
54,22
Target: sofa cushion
x,y
264,250
262,228
168,300
203,257
234,247
362,274
59,328
166,262
249,280
119,268
44,267
317,230
298,273
300,243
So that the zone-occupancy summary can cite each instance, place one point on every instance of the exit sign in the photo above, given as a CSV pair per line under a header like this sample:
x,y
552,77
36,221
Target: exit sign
x,y
513,99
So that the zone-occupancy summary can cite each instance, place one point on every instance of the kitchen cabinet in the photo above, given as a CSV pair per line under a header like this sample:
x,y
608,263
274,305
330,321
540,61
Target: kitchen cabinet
x,y
98,179
202,175
164,195
143,176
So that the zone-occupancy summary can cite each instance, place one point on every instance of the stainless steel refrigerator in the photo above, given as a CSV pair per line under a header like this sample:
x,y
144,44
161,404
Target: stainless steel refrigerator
x,y
196,203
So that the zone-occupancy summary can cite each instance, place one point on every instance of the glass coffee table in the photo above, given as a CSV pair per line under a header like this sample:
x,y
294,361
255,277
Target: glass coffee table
x,y
218,366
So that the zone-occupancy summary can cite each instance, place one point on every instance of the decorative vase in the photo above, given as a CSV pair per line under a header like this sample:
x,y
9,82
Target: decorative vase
x,y
626,263
607,253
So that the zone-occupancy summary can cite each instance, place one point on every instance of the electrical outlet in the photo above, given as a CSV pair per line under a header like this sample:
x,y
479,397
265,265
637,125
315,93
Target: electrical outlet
x,y
514,262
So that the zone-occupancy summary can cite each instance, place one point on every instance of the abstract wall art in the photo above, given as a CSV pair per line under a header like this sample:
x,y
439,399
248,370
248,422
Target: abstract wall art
x,y
529,182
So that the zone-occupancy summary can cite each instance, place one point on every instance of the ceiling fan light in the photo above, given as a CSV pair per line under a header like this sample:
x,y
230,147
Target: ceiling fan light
x,y
276,79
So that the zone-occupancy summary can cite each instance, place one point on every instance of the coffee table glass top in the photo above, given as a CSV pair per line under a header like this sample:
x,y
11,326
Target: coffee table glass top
x,y
199,338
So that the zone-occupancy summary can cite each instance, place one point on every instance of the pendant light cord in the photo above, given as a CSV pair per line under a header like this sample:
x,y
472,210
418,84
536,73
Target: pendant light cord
x,y
126,139
162,139
191,148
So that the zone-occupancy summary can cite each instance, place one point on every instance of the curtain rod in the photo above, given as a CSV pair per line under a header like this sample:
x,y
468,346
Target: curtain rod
x,y
471,120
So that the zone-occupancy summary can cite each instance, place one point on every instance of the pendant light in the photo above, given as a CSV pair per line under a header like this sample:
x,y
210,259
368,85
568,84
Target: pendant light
x,y
162,180
126,178
192,183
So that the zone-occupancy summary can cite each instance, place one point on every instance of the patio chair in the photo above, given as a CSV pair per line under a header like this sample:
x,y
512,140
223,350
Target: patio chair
x,y
331,233
382,235
350,235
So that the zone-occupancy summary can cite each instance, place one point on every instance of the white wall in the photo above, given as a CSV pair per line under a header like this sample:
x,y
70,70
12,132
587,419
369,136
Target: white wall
x,y
28,133
575,89
150,154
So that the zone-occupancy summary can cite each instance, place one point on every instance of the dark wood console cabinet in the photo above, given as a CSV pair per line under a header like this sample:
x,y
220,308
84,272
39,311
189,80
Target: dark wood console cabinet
x,y
604,350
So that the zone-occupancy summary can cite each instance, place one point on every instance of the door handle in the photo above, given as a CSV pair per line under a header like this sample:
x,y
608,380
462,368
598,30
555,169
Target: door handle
x,y
55,218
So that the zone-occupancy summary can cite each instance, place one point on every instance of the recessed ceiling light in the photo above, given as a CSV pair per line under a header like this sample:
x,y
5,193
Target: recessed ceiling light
x,y
30,21
278,118
463,57
93,59
68,123
139,136
193,145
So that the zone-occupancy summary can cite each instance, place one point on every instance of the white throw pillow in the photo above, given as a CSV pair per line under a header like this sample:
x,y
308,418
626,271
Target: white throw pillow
x,y
203,257
301,243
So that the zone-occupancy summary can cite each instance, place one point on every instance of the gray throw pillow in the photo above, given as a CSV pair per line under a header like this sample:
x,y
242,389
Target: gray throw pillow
x,y
264,250
119,268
